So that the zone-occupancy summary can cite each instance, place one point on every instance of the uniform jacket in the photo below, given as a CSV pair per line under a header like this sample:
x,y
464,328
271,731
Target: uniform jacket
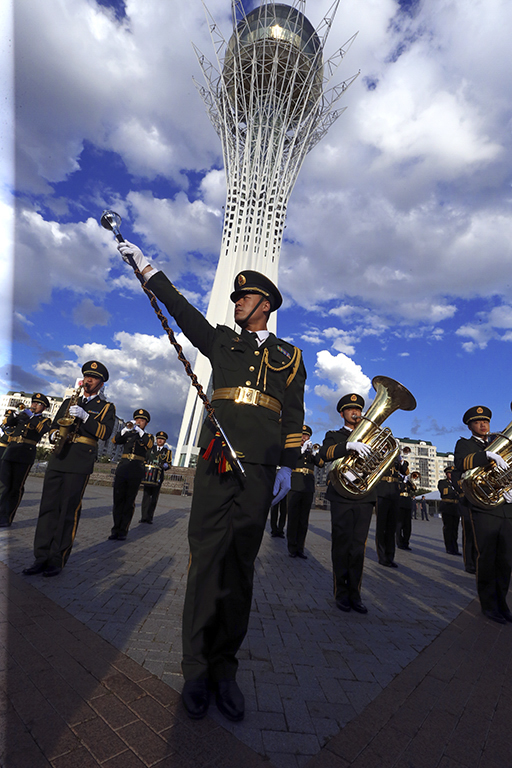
x,y
391,481
334,447
257,434
31,428
407,491
305,482
79,458
449,498
136,445
159,457
470,453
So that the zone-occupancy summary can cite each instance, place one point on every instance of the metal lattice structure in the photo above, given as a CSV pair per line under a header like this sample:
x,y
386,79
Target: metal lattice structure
x,y
268,96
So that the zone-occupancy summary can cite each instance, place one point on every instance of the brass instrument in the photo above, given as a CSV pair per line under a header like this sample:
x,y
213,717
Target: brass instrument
x,y
66,423
129,425
484,486
414,477
354,475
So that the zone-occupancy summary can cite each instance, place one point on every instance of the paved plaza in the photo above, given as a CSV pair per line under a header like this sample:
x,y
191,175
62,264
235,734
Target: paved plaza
x,y
323,688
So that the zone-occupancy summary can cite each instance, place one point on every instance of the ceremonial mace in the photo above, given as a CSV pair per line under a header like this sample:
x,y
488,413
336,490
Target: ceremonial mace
x,y
112,221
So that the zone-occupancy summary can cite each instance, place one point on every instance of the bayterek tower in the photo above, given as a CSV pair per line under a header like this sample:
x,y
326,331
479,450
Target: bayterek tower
x,y
270,99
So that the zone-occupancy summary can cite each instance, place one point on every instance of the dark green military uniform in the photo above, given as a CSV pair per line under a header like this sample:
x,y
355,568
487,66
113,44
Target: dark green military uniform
x,y
227,519
492,530
449,508
160,457
299,501
350,523
129,475
387,512
26,429
404,525
66,479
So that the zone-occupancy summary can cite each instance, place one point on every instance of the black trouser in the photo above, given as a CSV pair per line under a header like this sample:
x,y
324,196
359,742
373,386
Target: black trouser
x,y
404,524
385,528
299,506
450,532
149,501
12,485
278,516
350,522
59,514
126,486
493,537
469,551
226,526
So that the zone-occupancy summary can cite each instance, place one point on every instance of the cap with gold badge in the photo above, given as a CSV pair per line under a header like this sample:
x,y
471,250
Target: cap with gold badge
x,y
37,397
250,281
350,401
95,368
477,413
141,413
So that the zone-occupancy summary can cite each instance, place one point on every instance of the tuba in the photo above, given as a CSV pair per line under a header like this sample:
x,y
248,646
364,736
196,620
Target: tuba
x,y
355,475
484,486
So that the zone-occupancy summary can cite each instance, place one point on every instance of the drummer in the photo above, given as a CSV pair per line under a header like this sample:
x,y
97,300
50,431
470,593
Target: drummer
x,y
130,470
158,461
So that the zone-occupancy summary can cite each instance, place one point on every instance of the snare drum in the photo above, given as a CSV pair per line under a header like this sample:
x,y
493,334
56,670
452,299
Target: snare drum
x,y
153,475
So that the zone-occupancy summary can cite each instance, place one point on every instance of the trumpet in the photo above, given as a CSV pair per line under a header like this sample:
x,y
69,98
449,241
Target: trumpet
x,y
129,425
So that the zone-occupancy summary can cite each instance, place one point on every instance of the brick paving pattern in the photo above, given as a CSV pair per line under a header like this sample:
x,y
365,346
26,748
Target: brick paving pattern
x,y
91,660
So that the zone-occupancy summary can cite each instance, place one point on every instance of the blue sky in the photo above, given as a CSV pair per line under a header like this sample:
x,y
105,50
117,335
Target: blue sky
x,y
397,257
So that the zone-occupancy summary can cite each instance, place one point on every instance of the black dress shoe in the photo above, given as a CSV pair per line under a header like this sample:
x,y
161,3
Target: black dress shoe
x,y
52,570
292,554
302,555
196,698
470,570
5,524
388,565
280,535
230,700
358,606
495,616
507,615
113,537
121,536
343,604
36,568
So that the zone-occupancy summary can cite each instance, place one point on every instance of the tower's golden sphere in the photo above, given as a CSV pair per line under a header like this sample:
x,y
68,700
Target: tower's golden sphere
x,y
274,49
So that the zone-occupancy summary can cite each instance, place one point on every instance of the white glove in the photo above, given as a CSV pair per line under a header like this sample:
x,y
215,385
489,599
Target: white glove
x,y
166,466
139,431
360,448
500,463
28,412
507,495
127,249
282,484
125,430
78,413
308,446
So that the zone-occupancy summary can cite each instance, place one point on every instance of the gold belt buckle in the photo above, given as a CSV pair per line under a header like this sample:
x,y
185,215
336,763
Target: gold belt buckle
x,y
247,396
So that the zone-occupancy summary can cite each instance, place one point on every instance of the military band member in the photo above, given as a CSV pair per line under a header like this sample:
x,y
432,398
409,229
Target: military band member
x,y
449,508
5,431
258,394
26,430
406,490
492,526
387,512
301,495
130,471
69,470
161,456
350,517
278,515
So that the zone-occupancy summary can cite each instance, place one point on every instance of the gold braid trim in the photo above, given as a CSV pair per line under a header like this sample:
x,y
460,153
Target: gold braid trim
x,y
295,362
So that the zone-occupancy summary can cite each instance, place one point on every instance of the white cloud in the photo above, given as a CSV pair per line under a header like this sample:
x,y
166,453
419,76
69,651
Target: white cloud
x,y
144,371
343,374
